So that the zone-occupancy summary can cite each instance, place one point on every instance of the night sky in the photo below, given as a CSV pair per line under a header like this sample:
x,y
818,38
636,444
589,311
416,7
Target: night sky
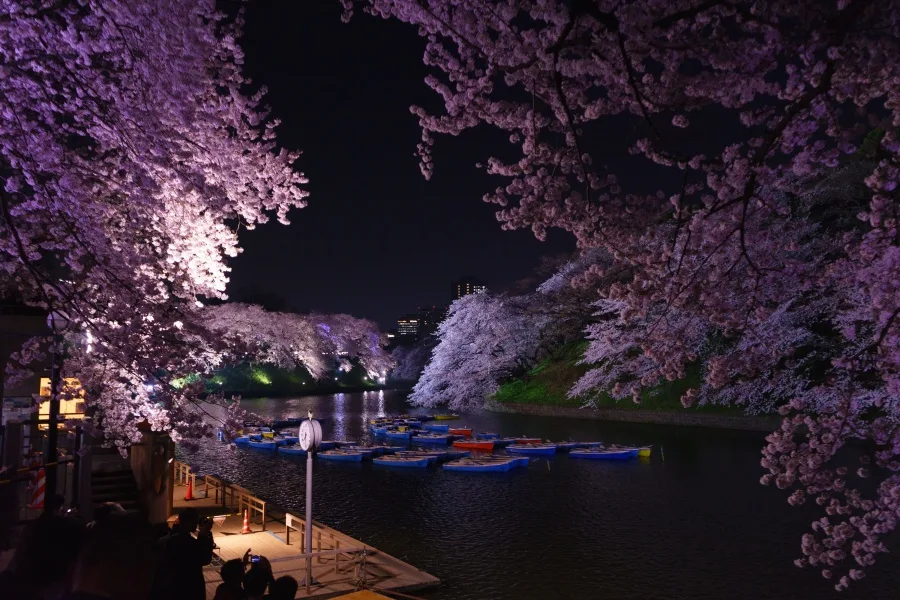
x,y
377,239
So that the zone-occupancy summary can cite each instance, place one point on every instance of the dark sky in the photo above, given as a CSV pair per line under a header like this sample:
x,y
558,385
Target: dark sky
x,y
377,239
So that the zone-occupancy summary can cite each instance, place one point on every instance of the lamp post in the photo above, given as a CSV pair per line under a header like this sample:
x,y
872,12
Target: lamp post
x,y
57,322
310,437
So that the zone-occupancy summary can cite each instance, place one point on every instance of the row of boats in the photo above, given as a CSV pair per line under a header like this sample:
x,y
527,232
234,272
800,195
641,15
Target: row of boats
x,y
467,452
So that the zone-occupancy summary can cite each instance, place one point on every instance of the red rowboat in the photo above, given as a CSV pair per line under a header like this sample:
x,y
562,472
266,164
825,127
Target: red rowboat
x,y
486,445
466,431
526,440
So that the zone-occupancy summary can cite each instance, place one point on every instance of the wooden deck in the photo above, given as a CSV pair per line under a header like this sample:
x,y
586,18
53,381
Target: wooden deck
x,y
345,565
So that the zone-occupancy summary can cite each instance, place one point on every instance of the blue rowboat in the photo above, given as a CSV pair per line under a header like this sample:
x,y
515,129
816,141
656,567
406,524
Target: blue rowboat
x,y
429,456
382,449
415,424
379,429
255,436
424,418
393,434
436,427
503,442
479,466
457,454
292,449
568,446
340,455
290,436
486,435
532,449
631,450
262,445
600,454
242,440
327,445
401,462
431,439
366,452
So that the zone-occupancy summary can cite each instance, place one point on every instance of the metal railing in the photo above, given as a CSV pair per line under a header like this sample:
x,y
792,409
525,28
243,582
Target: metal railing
x,y
228,495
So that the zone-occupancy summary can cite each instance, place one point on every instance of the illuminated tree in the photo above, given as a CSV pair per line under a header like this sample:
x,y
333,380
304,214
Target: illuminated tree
x,y
129,158
316,342
733,258
484,340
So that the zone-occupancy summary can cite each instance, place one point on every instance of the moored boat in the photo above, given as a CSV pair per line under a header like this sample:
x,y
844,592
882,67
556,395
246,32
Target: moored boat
x,y
484,445
292,449
340,455
454,454
327,445
527,440
487,435
364,450
446,417
645,451
417,454
241,440
471,465
401,462
394,434
601,454
430,439
262,444
464,431
532,449
631,450
437,427
503,442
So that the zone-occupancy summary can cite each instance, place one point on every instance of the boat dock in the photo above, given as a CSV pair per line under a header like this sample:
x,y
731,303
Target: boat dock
x,y
340,564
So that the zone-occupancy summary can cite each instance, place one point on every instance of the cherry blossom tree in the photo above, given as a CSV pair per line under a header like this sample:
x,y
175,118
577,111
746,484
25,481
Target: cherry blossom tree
x,y
130,156
316,342
286,340
792,302
484,340
411,360
357,338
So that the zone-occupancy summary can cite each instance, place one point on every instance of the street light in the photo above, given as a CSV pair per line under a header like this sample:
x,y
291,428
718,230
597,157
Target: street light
x,y
58,323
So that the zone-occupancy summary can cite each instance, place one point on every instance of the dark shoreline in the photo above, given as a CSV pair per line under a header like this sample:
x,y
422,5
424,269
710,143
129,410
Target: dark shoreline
x,y
319,391
684,418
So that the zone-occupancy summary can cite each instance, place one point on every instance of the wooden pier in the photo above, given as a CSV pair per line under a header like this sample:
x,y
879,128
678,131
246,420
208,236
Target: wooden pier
x,y
340,563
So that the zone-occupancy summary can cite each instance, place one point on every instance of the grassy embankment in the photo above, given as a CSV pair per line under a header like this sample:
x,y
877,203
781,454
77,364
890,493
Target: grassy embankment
x,y
549,382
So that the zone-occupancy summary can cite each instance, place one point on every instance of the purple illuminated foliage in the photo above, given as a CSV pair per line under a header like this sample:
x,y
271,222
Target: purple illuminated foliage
x,y
129,158
774,261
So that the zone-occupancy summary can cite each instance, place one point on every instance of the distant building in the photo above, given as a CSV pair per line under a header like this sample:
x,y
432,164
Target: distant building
x,y
429,319
408,327
466,286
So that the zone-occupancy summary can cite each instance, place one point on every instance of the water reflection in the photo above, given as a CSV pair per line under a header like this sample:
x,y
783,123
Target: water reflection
x,y
696,526
339,428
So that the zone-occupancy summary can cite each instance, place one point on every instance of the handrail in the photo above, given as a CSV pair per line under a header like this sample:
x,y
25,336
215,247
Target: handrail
x,y
236,497
241,498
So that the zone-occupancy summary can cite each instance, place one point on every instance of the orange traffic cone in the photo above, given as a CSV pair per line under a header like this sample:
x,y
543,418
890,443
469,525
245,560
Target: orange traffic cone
x,y
190,491
246,527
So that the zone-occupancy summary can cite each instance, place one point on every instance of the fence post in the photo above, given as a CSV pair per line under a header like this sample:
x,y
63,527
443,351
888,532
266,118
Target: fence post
x,y
263,516
319,546
337,555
